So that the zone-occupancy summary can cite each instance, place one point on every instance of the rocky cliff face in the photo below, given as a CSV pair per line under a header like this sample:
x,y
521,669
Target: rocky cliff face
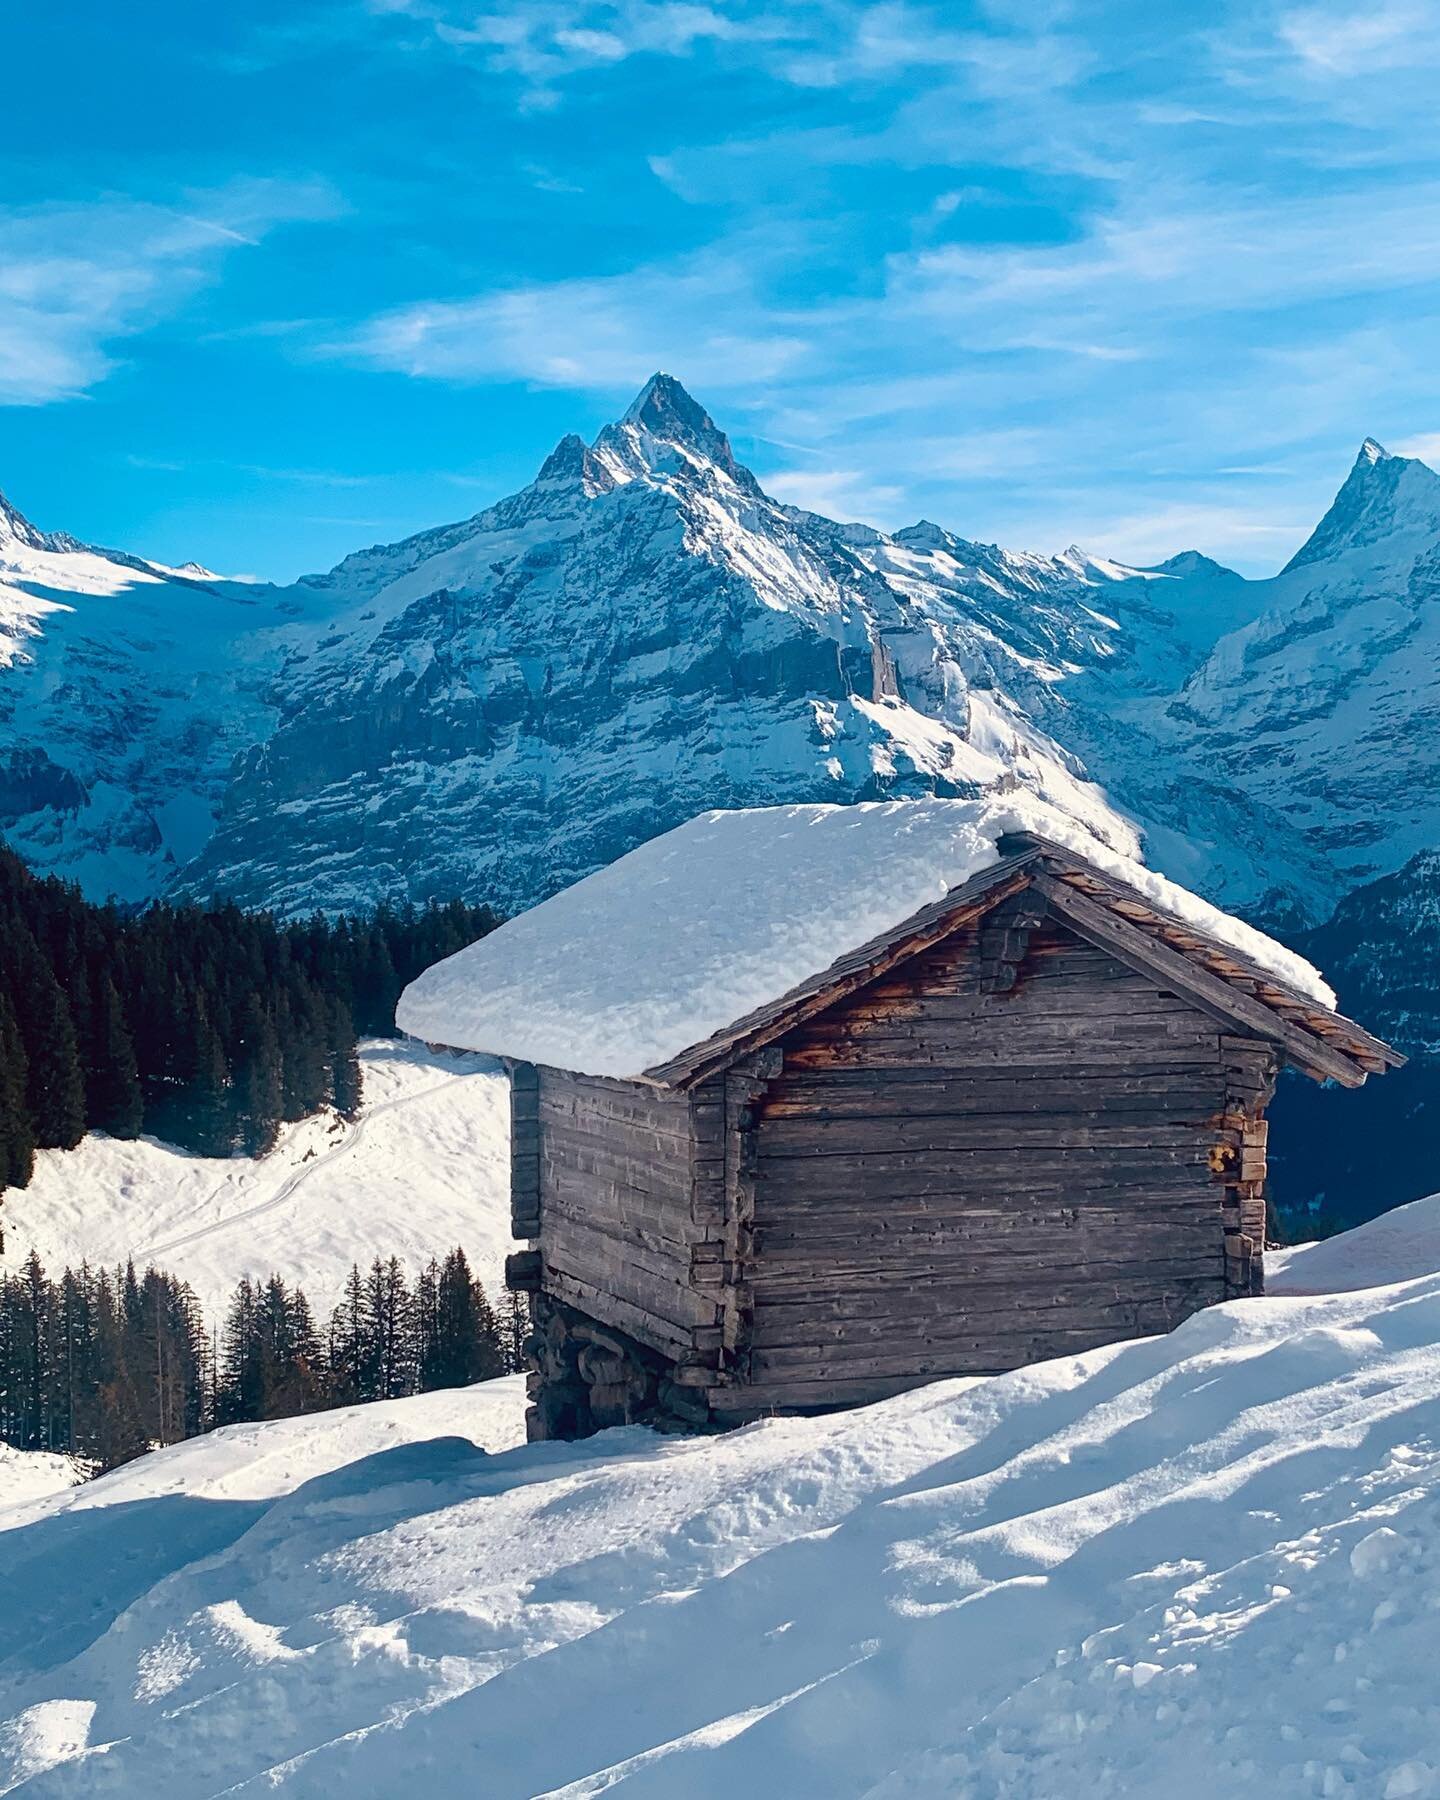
x,y
643,633
496,706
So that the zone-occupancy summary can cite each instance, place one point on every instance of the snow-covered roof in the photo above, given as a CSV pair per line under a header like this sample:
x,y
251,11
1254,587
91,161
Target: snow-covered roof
x,y
697,929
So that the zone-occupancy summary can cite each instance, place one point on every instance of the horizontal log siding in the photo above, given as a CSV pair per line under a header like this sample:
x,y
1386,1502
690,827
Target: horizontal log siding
x,y
617,1192
951,1180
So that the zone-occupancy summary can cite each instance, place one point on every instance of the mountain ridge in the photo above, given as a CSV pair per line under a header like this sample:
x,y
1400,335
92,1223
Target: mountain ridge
x,y
791,656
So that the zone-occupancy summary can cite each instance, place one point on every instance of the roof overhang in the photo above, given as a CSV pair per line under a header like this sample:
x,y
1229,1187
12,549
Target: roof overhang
x,y
1107,912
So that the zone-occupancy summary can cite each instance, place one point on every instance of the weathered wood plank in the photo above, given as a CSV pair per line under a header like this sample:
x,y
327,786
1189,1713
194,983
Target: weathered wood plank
x,y
784,1138
646,1326
1223,1000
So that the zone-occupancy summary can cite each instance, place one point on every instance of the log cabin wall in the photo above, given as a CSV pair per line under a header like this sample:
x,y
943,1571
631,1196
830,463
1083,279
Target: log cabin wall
x,y
620,1185
1011,1148
615,1184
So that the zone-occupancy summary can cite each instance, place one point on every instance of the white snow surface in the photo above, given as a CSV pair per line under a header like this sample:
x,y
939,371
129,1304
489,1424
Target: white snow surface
x,y
1396,1246
698,927
425,1167
1205,1564
34,1474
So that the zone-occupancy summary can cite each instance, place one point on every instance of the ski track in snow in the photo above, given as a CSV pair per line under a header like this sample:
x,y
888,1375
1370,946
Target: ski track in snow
x,y
433,1171
353,1137
1193,1566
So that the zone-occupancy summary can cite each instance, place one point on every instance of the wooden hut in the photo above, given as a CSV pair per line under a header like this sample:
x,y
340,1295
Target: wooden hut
x,y
1026,1120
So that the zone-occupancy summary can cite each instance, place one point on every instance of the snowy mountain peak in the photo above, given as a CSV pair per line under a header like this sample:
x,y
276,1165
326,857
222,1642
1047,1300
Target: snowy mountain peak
x,y
1192,563
1383,498
15,528
664,413
572,463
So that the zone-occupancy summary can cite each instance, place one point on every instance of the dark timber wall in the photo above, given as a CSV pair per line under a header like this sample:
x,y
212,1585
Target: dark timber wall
x,y
953,1181
1009,1148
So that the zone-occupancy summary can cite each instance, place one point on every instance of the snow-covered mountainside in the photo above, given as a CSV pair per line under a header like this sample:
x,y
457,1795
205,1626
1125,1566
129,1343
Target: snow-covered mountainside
x,y
1327,707
506,704
126,690
503,704
425,1167
1197,1565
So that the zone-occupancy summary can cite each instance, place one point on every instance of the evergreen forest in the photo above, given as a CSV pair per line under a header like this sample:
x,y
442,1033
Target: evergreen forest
x,y
105,1364
206,1026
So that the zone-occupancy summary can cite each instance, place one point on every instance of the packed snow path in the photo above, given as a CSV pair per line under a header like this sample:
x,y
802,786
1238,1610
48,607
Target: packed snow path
x,y
425,1167
1196,1565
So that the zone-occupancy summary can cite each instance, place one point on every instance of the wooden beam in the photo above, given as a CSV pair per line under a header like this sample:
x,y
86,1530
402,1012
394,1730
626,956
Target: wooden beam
x,y
524,1150
1212,993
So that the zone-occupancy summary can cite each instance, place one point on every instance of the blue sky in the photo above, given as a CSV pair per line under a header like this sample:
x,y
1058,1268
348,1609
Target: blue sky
x,y
277,280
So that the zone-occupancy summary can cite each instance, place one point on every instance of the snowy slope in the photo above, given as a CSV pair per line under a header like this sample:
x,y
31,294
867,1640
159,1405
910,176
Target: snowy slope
x,y
27,1475
126,689
500,705
696,929
1398,1246
1202,1565
425,1167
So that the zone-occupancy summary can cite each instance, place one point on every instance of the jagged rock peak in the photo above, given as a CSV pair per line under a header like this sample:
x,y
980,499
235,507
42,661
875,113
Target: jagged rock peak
x,y
572,461
667,411
925,534
18,529
1383,496
663,410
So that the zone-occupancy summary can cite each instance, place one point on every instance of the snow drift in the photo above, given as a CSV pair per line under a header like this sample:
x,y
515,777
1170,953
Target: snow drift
x,y
1197,1565
1398,1246
700,926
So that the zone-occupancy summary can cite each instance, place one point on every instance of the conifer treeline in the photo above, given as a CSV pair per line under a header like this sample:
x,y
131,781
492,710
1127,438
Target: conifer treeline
x,y
205,1026
105,1364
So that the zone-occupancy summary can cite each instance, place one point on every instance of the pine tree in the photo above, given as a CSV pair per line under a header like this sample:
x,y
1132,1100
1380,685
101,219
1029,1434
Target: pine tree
x,y
17,1135
257,1082
204,1101
112,1077
514,1329
390,1329
119,1427
55,1088
463,1342
240,1377
345,1077
349,1353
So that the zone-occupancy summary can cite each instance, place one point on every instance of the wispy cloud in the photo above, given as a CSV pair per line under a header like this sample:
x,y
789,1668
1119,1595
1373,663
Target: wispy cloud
x,y
1350,40
1425,447
838,493
603,334
77,278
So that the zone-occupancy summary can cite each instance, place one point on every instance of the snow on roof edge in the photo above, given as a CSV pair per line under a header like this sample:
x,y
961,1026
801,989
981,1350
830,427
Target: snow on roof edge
x,y
686,934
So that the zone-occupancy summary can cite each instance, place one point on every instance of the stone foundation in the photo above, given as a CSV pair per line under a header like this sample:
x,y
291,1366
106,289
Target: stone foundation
x,y
585,1377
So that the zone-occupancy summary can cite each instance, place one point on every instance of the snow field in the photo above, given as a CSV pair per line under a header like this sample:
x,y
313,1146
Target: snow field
x,y
1205,1564
425,1167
